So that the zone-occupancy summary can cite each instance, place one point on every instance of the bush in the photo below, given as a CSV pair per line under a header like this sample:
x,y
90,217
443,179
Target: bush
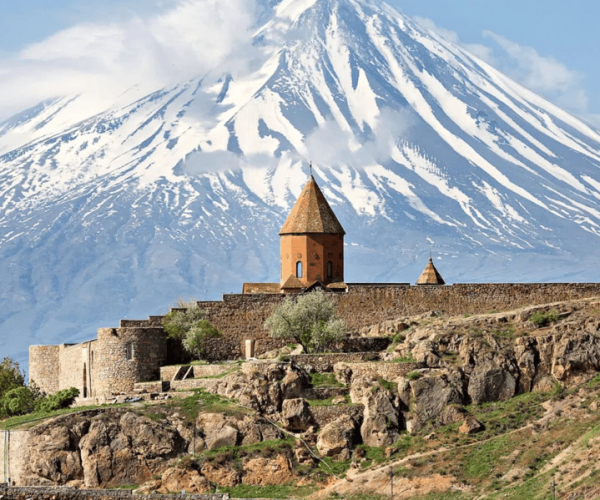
x,y
58,401
309,320
542,319
17,401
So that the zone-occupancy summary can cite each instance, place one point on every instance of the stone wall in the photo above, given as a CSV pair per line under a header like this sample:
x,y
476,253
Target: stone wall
x,y
116,373
241,317
325,362
324,415
77,368
44,367
363,344
57,493
197,371
17,456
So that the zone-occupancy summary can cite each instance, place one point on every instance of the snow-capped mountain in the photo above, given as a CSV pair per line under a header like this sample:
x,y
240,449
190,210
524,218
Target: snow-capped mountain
x,y
417,144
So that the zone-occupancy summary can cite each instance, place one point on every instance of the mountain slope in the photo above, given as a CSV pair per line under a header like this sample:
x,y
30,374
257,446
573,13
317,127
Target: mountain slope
x,y
417,144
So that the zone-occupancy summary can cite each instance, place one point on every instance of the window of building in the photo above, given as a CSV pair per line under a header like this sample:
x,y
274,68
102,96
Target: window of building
x,y
329,270
129,351
299,270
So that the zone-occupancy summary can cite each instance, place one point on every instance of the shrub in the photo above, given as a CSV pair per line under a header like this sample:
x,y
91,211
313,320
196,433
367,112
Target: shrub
x,y
542,319
309,320
18,401
58,401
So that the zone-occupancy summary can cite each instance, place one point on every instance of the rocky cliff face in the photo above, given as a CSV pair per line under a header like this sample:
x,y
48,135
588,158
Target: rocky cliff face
x,y
445,380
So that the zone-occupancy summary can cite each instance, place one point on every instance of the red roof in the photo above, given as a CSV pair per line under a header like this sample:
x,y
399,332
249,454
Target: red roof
x,y
312,213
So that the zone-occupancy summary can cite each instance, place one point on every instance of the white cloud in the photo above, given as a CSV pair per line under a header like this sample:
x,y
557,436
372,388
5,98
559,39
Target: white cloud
x,y
482,51
544,75
187,40
330,145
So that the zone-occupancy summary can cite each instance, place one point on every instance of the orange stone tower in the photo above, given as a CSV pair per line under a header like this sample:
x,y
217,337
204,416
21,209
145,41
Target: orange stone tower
x,y
312,244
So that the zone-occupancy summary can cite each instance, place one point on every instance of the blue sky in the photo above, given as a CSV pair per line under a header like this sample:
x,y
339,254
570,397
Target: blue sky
x,y
550,46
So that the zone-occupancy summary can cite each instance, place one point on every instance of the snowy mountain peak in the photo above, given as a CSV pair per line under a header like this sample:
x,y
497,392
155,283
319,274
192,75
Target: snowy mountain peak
x,y
111,209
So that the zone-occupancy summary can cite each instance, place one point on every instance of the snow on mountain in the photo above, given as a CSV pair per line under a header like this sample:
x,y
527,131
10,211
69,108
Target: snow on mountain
x,y
113,213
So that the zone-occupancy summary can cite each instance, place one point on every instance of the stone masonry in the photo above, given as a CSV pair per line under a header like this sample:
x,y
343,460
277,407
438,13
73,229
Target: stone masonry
x,y
101,368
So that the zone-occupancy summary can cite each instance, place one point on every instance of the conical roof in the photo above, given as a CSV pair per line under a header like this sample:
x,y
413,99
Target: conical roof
x,y
312,213
431,276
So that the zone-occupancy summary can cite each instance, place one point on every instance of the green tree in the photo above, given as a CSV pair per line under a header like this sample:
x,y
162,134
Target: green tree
x,y
195,340
188,323
309,320
11,376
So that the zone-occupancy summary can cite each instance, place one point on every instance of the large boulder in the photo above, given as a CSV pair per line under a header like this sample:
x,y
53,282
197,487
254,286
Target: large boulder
x,y
296,415
130,450
221,474
219,430
187,480
337,436
294,383
432,393
268,471
489,383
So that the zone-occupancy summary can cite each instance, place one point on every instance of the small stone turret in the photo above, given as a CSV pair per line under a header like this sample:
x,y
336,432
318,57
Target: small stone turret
x,y
431,276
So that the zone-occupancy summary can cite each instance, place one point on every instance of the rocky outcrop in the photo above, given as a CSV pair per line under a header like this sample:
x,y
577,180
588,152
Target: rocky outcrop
x,y
337,436
177,479
100,450
268,472
296,416
381,417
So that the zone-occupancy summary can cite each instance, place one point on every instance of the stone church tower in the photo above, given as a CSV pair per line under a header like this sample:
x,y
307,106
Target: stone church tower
x,y
312,244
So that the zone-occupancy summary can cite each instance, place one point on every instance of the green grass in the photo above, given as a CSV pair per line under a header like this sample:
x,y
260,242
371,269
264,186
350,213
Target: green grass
x,y
34,418
324,380
224,374
387,385
413,375
289,490
482,461
404,359
542,319
203,401
338,468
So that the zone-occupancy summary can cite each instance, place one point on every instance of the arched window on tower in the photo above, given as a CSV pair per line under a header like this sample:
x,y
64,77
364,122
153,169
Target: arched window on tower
x,y
330,270
299,270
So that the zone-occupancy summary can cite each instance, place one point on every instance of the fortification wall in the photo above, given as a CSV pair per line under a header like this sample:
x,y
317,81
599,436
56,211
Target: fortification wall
x,y
128,355
365,305
44,367
241,317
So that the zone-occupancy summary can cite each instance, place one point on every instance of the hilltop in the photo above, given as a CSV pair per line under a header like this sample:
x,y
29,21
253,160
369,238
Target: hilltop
x,y
483,406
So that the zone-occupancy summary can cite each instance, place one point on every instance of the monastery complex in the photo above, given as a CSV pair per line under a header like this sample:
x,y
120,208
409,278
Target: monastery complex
x,y
312,257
